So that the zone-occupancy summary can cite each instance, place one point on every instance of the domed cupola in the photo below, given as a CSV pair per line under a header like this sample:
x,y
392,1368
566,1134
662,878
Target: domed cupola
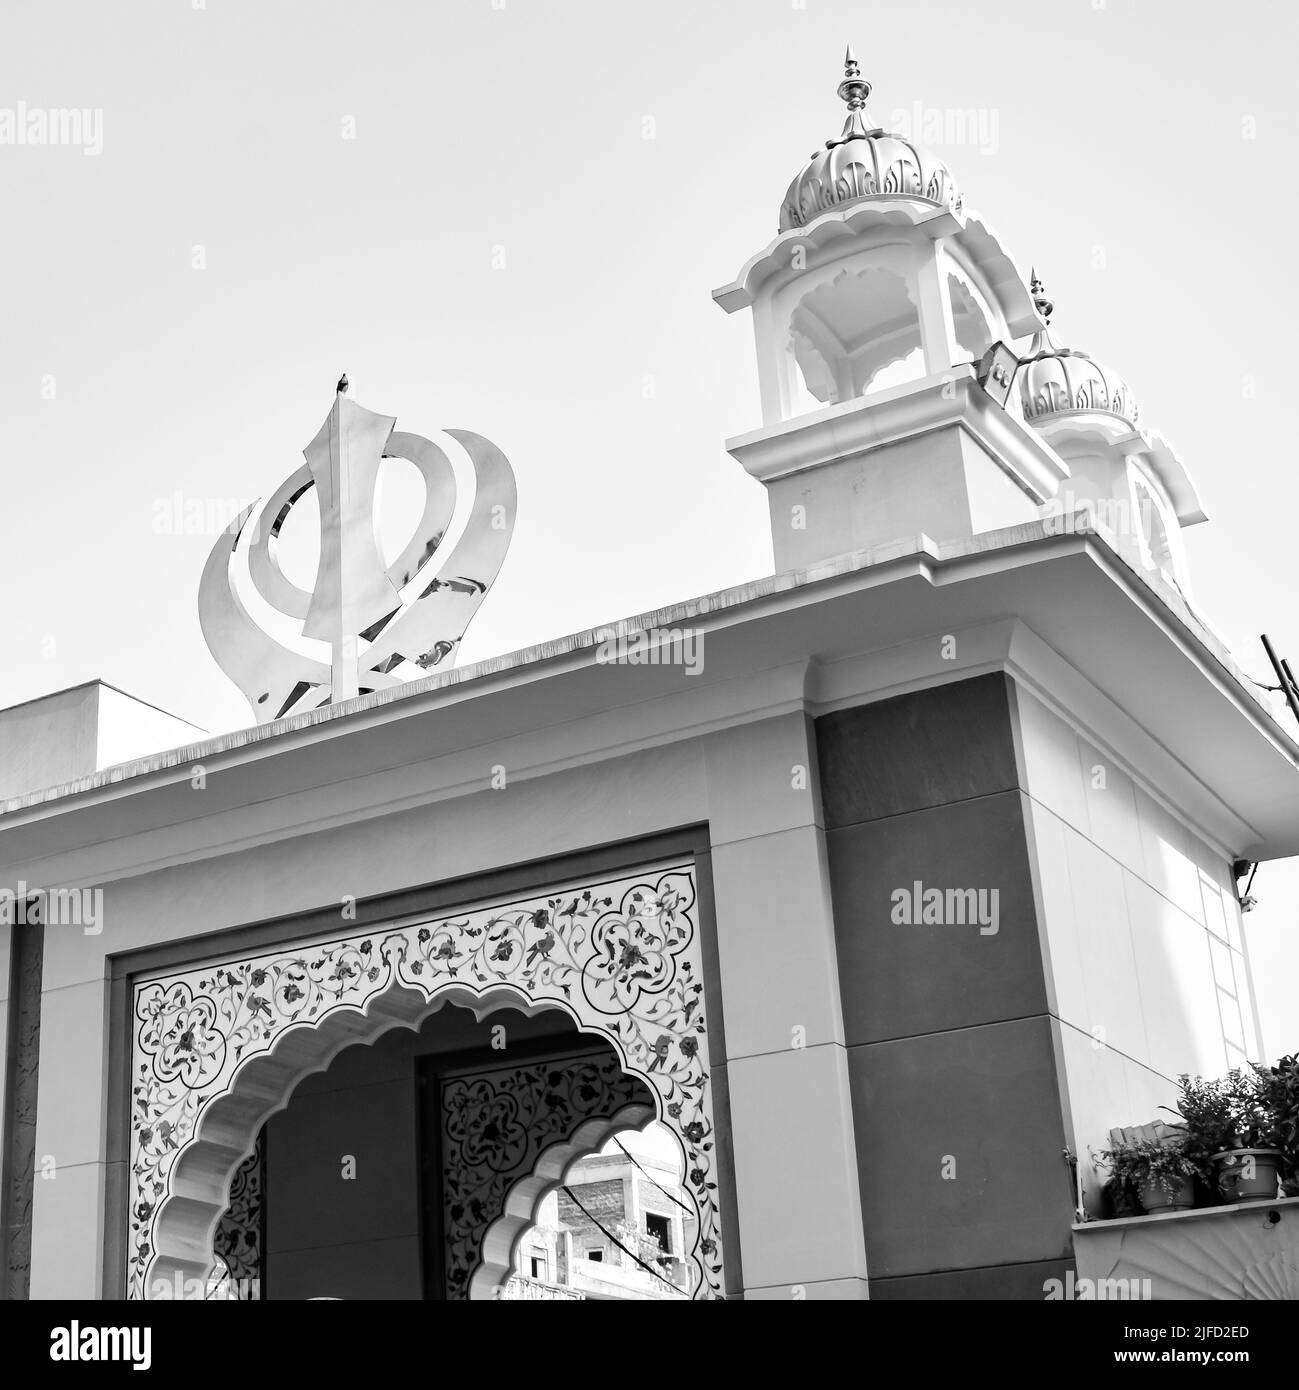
x,y
865,163
872,308
880,273
1056,380
1123,476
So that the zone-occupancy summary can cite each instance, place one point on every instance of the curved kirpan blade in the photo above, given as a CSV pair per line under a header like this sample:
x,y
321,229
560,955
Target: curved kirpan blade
x,y
263,562
428,631
272,677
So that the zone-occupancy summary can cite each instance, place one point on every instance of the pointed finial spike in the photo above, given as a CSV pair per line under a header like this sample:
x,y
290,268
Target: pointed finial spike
x,y
341,388
854,89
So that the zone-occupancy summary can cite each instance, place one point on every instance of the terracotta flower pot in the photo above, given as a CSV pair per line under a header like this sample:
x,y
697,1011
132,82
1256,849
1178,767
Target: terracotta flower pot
x,y
1155,1199
1247,1175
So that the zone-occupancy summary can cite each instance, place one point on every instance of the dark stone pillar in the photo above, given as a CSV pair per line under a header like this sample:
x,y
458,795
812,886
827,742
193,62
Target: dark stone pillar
x,y
955,1086
21,1075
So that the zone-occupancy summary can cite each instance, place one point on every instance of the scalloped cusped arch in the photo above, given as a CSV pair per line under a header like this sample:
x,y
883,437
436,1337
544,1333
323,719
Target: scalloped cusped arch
x,y
217,1049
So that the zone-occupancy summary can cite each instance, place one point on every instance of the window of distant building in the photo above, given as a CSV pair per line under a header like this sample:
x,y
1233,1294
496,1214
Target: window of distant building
x,y
538,1266
657,1228
595,1254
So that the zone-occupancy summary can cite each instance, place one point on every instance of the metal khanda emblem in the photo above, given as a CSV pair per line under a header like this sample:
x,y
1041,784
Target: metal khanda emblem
x,y
374,617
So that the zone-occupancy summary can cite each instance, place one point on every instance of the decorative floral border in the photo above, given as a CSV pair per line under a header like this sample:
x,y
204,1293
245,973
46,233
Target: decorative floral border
x,y
495,1123
622,956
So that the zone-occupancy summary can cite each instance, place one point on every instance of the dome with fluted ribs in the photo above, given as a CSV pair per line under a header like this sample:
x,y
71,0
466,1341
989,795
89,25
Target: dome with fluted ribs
x,y
864,163
867,164
1060,381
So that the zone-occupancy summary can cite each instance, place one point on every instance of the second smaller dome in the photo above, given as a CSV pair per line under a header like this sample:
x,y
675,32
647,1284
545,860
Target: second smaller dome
x,y
1056,380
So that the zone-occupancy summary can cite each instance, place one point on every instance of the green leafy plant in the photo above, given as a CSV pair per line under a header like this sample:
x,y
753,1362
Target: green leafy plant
x,y
1167,1165
1205,1108
1253,1117
1279,1086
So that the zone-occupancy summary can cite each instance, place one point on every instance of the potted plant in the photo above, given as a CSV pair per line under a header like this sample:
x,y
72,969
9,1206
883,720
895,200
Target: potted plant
x,y
1280,1088
1161,1173
1271,1094
1244,1151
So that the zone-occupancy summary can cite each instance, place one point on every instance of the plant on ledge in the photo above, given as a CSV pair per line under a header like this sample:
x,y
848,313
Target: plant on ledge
x,y
1236,1136
1205,1111
1278,1094
1280,1085
1162,1174
1231,1129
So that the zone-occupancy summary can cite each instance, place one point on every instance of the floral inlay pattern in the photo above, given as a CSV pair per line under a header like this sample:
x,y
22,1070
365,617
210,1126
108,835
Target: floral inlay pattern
x,y
237,1243
621,956
495,1124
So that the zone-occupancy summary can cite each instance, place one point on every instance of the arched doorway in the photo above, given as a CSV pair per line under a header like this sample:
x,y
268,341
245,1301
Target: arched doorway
x,y
407,1168
220,1048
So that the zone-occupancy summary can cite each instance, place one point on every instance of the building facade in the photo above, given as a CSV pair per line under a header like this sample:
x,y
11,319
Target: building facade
x,y
889,884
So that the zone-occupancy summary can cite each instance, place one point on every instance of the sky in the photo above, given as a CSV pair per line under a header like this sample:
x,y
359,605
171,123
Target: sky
x,y
508,215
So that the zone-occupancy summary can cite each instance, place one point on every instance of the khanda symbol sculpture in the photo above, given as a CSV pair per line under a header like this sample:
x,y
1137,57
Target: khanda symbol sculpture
x,y
374,617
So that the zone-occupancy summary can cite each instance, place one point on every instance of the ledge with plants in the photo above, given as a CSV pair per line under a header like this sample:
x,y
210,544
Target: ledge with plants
x,y
1234,1139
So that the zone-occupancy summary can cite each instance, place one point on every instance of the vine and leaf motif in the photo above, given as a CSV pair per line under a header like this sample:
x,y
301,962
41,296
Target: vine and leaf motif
x,y
237,1241
621,956
495,1125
